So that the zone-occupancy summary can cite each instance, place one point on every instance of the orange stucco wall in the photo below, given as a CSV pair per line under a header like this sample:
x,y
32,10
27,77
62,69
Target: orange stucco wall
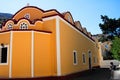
x,y
50,25
5,39
71,40
21,54
41,46
42,54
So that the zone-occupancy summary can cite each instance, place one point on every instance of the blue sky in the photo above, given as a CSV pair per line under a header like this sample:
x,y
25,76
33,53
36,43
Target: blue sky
x,y
86,11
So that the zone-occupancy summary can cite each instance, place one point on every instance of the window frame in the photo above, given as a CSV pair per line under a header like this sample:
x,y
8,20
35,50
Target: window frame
x,y
84,58
9,28
21,25
75,60
7,54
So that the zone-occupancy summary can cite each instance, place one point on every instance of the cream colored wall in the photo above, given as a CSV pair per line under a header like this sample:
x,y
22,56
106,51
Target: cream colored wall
x,y
4,68
71,40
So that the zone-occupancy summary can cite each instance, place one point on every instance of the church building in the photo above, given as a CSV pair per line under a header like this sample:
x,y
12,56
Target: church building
x,y
38,43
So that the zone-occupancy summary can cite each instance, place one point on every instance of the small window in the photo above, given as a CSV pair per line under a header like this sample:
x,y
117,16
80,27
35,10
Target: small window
x,y
9,27
74,57
69,18
27,16
95,59
23,26
83,58
3,55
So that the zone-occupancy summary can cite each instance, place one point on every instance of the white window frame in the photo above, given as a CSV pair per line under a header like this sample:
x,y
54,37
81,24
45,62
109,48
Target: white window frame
x,y
9,26
7,54
75,57
21,26
84,58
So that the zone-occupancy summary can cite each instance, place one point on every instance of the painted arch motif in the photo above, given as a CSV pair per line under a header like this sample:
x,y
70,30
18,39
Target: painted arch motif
x,y
32,13
68,17
9,25
22,24
32,16
78,25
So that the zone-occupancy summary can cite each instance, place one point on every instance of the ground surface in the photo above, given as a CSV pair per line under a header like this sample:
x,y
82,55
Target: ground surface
x,y
96,74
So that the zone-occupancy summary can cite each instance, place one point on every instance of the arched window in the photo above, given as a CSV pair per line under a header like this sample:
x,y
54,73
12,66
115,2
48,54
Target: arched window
x,y
83,58
9,26
23,26
75,57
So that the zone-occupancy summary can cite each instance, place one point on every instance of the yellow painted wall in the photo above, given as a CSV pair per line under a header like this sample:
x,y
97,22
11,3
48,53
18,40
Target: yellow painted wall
x,y
4,71
45,56
5,39
21,54
71,40
42,54
50,25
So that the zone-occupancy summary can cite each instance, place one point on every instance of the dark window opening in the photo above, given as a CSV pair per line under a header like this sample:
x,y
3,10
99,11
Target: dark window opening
x,y
4,55
83,58
75,57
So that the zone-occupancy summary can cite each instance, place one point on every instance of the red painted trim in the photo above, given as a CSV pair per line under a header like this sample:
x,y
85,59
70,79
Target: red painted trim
x,y
59,14
31,22
15,22
26,30
3,24
36,8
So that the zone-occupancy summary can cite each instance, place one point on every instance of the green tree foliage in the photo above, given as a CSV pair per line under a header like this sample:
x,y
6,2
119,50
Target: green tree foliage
x,y
110,26
115,50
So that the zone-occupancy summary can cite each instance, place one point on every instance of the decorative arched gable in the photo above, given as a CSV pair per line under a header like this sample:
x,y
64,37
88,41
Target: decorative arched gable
x,y
32,13
29,12
8,25
68,17
22,23
89,34
27,24
78,25
85,30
